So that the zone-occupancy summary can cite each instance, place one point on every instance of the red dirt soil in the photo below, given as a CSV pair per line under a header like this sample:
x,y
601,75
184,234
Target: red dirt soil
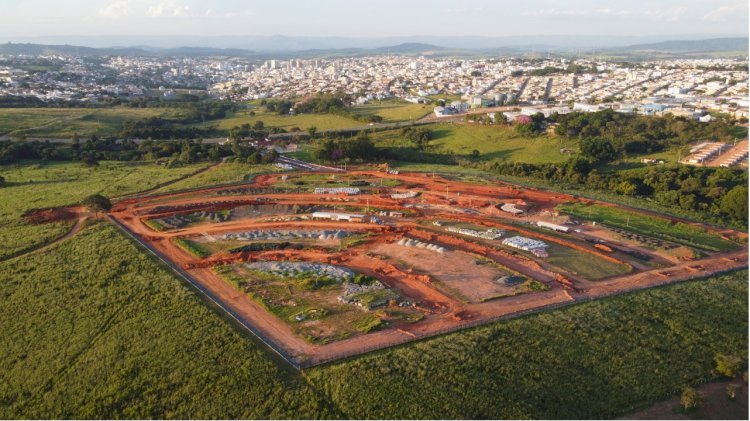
x,y
474,204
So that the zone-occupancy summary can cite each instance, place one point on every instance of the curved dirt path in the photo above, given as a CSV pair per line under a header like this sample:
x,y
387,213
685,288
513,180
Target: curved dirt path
x,y
75,229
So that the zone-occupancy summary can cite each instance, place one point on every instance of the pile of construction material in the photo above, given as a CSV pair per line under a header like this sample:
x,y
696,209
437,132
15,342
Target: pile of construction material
x,y
337,190
366,296
294,269
407,195
408,242
286,235
173,222
536,247
511,208
490,234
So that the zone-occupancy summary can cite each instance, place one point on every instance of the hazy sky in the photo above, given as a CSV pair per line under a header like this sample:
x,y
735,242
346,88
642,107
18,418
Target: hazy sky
x,y
370,18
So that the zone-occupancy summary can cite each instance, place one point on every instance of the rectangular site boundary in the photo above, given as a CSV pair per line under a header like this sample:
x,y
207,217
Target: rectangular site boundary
x,y
305,363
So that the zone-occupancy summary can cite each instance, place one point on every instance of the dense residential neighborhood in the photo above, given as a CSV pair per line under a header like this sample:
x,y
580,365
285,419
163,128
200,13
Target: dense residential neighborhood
x,y
689,88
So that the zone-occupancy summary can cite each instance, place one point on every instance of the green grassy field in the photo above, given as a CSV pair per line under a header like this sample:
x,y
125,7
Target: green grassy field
x,y
394,110
62,123
41,185
226,173
594,360
286,122
99,330
649,226
583,264
495,142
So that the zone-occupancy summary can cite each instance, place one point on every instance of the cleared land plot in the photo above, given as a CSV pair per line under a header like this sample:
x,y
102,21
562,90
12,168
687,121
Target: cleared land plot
x,y
650,225
583,264
470,278
444,299
222,243
567,259
310,304
238,213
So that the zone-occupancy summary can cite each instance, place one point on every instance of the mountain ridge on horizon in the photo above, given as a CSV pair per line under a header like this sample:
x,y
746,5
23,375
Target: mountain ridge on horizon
x,y
285,43
676,47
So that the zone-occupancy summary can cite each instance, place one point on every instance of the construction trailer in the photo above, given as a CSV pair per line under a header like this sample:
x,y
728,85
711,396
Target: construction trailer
x,y
336,216
553,227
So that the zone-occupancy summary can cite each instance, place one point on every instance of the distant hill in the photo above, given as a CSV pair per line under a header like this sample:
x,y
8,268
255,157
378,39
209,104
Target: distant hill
x,y
74,50
693,46
735,46
67,50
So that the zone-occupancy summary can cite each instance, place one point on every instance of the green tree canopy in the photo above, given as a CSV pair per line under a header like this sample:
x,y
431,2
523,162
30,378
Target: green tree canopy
x,y
97,203
734,203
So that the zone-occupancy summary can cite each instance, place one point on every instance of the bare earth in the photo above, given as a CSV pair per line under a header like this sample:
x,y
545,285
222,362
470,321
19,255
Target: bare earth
x,y
421,279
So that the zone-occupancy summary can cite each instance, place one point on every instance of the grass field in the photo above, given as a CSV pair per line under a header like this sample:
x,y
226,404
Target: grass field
x,y
649,226
62,123
394,110
226,173
495,142
594,360
41,185
99,330
286,122
583,264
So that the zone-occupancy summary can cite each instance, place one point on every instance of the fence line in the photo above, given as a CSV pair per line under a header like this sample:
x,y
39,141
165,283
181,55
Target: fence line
x,y
305,362
481,322
215,300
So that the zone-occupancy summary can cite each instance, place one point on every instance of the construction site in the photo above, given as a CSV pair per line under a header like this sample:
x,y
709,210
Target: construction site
x,y
324,264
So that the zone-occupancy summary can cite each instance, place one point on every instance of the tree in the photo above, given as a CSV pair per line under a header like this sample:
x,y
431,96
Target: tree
x,y
600,150
728,365
475,154
258,125
691,398
270,156
90,161
97,203
312,130
419,137
500,118
734,203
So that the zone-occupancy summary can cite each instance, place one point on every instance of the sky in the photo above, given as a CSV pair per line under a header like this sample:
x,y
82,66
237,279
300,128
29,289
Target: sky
x,y
371,18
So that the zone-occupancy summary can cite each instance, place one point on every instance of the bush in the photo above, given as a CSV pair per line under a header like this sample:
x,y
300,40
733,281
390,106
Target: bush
x,y
690,399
